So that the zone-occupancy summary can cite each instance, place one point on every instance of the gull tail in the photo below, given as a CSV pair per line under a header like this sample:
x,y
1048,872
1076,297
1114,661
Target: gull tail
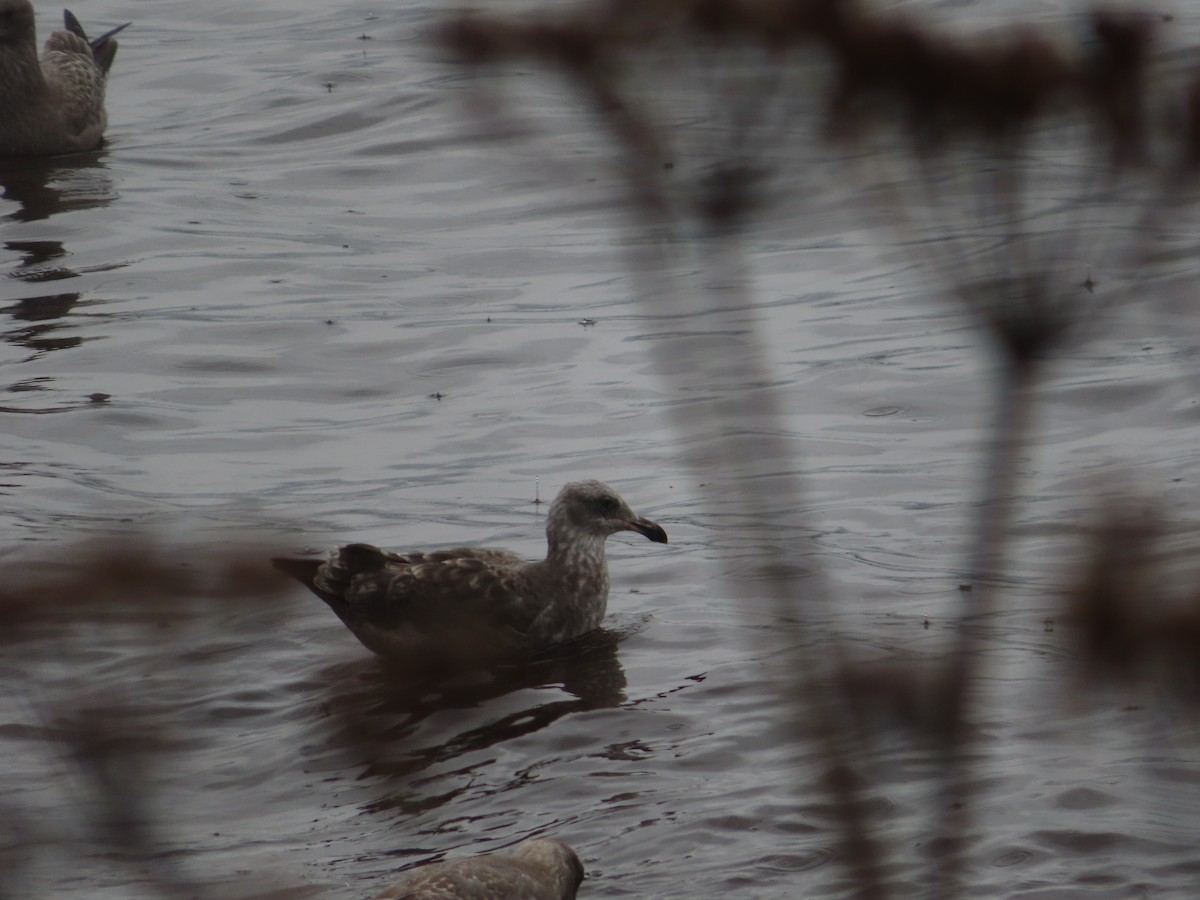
x,y
104,48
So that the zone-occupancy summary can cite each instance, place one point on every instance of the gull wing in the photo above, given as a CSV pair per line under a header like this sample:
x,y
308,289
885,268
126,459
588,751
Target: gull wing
x,y
431,590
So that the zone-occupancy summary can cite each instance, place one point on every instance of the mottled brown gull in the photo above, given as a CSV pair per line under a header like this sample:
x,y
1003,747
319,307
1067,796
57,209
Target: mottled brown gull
x,y
542,869
55,105
471,606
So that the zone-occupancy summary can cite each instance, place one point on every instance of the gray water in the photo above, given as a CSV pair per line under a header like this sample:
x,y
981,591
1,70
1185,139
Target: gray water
x,y
324,309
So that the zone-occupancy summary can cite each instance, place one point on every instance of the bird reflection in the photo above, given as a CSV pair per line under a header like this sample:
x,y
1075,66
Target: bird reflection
x,y
34,256
44,187
42,320
47,311
381,715
41,188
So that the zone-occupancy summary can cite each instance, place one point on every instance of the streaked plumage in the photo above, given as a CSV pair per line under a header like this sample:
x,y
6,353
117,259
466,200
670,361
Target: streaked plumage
x,y
468,605
56,104
543,869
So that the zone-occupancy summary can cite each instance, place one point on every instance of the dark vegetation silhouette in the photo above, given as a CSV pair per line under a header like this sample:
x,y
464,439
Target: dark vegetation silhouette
x,y
111,739
998,161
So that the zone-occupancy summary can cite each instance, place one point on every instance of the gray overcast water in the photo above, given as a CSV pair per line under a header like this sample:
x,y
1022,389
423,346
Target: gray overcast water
x,y
325,310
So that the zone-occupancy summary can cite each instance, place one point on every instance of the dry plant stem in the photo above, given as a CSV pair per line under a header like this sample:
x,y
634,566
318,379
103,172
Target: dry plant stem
x,y
640,155
1008,438
113,753
806,684
93,589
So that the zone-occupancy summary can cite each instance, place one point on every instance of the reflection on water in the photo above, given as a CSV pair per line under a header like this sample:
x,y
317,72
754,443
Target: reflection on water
x,y
47,311
41,322
34,256
383,717
42,188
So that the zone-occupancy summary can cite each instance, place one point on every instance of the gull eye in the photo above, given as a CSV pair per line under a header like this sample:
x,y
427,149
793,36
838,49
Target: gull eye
x,y
607,505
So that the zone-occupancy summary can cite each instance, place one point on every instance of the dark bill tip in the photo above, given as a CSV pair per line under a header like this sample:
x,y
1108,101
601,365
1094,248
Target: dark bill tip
x,y
652,530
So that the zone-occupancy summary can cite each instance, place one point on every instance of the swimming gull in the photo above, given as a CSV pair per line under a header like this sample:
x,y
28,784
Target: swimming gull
x,y
472,606
541,869
55,105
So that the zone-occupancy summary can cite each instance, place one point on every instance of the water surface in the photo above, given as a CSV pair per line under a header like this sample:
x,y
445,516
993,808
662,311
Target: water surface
x,y
299,301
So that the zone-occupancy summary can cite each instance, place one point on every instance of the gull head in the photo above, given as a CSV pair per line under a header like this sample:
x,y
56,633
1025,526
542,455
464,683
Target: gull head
x,y
595,509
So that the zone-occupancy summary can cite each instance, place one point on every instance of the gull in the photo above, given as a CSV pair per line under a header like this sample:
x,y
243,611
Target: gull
x,y
541,869
469,605
55,105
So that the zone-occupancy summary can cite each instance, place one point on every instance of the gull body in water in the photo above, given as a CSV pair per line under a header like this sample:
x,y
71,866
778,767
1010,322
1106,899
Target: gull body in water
x,y
470,606
542,869
56,104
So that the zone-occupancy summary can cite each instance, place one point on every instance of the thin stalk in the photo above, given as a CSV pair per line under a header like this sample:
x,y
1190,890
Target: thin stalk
x,y
1014,408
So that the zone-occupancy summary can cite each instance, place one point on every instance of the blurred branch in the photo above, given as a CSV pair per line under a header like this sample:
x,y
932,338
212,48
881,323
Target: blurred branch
x,y
132,580
112,740
958,124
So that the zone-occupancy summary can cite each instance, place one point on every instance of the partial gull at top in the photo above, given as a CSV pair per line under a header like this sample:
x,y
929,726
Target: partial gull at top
x,y
470,606
54,105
